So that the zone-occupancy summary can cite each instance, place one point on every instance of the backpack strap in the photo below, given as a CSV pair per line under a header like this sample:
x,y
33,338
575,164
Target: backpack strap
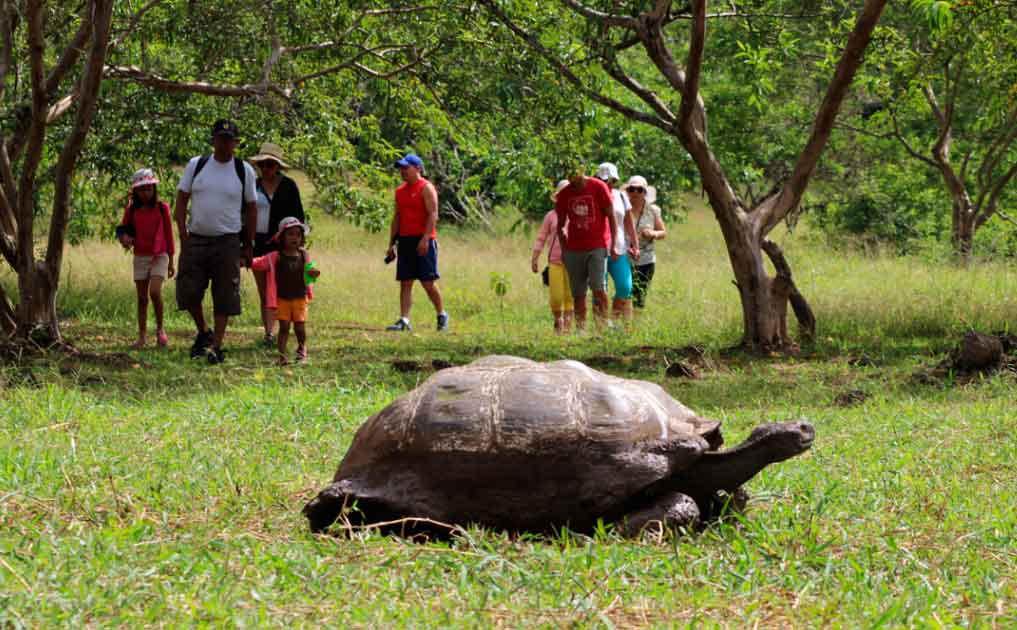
x,y
202,161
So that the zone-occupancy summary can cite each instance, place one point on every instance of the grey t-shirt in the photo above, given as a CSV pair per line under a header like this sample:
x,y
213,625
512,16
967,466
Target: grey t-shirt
x,y
648,220
215,196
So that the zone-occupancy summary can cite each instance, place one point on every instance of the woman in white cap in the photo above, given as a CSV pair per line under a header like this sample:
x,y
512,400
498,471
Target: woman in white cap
x,y
557,280
650,228
148,227
278,197
620,269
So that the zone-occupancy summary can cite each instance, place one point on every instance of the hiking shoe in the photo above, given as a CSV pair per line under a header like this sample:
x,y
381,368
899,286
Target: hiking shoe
x,y
401,324
202,342
442,321
216,356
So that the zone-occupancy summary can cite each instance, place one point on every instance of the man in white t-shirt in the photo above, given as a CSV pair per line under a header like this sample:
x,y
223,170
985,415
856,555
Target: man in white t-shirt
x,y
216,238
620,269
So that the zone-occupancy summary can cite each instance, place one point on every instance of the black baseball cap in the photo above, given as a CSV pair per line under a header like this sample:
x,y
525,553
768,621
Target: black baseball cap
x,y
225,127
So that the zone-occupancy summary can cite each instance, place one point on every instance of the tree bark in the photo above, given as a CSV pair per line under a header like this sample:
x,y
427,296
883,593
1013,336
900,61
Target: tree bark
x,y
8,321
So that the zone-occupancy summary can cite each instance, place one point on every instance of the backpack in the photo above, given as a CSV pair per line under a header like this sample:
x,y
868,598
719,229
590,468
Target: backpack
x,y
238,165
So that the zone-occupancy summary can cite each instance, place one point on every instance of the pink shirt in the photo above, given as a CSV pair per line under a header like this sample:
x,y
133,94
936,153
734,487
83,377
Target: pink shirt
x,y
549,231
267,263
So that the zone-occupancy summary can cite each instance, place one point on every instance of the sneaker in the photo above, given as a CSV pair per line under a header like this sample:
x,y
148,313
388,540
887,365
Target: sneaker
x,y
269,341
216,356
202,341
161,339
401,324
442,321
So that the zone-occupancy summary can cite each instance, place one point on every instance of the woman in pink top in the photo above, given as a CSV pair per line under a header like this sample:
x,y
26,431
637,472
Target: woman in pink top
x,y
147,227
557,280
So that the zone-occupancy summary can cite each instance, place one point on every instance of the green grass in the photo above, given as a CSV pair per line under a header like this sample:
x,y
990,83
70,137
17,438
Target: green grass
x,y
143,489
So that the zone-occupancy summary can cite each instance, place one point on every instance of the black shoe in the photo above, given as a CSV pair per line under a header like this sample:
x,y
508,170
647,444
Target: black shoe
x,y
401,324
269,341
216,356
442,321
202,342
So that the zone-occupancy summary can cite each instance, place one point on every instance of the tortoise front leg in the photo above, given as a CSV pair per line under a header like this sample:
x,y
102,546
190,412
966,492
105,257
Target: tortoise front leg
x,y
673,511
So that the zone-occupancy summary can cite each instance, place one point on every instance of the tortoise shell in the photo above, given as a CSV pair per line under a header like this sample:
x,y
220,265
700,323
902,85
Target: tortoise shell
x,y
510,442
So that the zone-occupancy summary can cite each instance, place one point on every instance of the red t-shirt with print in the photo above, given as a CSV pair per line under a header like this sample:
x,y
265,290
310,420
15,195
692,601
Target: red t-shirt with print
x,y
584,212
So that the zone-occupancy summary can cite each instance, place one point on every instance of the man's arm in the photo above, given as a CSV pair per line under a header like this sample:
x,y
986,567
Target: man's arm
x,y
250,225
393,231
431,203
180,215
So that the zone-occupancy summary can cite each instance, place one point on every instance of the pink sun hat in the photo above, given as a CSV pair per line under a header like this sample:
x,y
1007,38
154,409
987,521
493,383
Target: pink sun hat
x,y
286,224
143,177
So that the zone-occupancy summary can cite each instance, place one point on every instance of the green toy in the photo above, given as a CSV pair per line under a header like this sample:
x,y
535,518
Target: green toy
x,y
308,278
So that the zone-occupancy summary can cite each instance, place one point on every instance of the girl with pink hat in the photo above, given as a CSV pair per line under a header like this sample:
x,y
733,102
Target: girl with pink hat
x,y
148,228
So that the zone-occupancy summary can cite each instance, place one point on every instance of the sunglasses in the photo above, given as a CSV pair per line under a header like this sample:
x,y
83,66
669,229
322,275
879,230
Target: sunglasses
x,y
636,189
267,163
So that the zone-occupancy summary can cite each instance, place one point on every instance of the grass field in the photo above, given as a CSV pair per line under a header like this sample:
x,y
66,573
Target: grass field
x,y
141,489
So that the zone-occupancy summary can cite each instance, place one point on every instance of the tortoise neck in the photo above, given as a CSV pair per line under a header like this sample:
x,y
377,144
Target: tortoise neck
x,y
724,470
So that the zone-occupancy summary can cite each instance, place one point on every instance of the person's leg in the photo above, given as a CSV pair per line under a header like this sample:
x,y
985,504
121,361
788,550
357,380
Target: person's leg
x,y
155,294
596,269
219,334
405,298
641,284
300,328
621,273
431,287
577,268
568,306
284,336
225,274
556,293
141,286
267,314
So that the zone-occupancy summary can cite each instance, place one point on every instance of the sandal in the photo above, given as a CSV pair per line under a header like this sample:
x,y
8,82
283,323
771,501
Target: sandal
x,y
301,354
138,345
161,339
283,361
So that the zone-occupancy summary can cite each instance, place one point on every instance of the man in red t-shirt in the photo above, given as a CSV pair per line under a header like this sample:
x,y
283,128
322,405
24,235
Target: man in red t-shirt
x,y
414,231
585,212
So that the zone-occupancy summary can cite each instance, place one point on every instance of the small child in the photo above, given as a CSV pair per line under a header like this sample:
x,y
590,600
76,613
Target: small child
x,y
286,290
147,227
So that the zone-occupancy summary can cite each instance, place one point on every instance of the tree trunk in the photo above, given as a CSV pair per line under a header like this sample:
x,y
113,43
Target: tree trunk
x,y
8,319
963,227
36,314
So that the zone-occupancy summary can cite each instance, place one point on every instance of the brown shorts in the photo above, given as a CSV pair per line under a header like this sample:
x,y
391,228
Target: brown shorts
x,y
214,259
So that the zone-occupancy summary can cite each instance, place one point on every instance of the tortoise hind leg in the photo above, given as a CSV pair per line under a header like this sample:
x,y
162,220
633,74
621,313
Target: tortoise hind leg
x,y
671,511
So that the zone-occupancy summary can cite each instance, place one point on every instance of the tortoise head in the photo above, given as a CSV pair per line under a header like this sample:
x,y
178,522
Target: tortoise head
x,y
782,440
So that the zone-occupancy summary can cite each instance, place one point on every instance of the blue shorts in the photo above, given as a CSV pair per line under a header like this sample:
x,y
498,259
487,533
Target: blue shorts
x,y
621,272
410,266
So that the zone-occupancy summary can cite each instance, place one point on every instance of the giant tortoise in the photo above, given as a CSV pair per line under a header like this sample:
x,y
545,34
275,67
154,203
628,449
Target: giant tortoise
x,y
514,444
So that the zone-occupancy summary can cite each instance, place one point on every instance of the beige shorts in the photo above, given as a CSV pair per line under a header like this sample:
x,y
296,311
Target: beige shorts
x,y
146,267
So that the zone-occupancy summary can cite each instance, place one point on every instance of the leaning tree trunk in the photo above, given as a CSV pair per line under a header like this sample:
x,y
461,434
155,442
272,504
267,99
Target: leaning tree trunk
x,y
963,228
8,318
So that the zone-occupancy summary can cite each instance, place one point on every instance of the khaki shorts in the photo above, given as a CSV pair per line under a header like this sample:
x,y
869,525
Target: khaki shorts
x,y
291,310
146,267
210,259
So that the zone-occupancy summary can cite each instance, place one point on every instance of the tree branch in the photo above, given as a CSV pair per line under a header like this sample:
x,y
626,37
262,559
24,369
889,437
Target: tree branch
x,y
609,19
851,59
907,147
997,190
36,135
69,57
571,77
134,22
89,87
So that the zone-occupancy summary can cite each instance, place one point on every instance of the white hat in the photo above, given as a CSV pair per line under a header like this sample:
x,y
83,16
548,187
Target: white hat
x,y
607,172
560,187
269,151
143,177
638,181
287,223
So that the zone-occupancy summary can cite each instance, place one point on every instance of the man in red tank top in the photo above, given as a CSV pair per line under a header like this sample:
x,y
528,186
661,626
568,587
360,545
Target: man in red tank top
x,y
414,240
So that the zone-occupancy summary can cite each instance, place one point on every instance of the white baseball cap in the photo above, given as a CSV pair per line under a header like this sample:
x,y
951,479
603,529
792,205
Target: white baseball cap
x,y
607,171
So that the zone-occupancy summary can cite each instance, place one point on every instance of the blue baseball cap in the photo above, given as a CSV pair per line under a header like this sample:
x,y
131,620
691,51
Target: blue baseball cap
x,y
410,159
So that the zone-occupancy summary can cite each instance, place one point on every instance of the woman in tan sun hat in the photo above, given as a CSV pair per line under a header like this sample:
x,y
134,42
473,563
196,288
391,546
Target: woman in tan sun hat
x,y
278,198
650,228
